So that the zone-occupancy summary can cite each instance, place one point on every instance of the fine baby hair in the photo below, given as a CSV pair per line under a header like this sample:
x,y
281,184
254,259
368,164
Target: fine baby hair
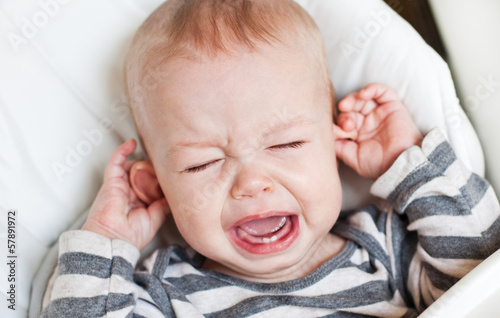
x,y
206,29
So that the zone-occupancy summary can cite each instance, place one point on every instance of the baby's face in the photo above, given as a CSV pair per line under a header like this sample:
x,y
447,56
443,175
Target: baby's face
x,y
244,152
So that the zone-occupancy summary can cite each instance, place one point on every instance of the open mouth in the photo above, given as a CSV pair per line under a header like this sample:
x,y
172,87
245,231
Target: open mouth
x,y
266,234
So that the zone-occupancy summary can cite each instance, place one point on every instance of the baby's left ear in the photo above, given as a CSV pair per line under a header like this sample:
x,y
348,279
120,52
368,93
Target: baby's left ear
x,y
145,182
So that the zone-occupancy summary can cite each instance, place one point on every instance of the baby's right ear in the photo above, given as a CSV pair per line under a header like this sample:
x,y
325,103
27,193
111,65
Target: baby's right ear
x,y
145,183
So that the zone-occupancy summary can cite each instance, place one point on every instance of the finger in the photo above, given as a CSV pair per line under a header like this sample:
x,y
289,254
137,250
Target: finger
x,y
128,165
347,103
115,167
347,151
368,107
389,108
158,212
378,92
354,102
351,121
346,121
134,201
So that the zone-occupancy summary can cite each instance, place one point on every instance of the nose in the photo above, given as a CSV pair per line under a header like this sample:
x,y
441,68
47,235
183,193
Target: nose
x,y
250,182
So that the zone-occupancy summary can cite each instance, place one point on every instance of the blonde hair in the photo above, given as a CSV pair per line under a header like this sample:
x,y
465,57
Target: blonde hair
x,y
206,28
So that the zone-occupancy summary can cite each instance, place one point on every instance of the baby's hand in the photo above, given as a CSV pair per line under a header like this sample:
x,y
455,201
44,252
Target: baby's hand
x,y
382,127
117,212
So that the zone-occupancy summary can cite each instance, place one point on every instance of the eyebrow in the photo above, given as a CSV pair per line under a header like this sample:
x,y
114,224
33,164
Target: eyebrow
x,y
178,146
287,124
194,144
282,125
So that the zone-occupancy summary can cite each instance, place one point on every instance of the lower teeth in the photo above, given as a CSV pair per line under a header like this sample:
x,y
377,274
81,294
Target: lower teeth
x,y
272,239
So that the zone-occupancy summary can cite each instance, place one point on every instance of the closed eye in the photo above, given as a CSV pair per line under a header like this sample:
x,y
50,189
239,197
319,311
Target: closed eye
x,y
202,167
295,144
199,168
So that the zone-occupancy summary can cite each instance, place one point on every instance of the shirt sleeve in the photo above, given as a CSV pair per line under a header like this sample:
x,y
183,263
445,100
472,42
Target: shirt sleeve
x,y
95,279
453,213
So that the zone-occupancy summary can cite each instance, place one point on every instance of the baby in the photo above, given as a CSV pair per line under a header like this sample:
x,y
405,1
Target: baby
x,y
236,110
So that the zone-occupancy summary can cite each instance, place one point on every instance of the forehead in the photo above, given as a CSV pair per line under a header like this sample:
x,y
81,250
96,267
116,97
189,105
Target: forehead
x,y
267,69
239,92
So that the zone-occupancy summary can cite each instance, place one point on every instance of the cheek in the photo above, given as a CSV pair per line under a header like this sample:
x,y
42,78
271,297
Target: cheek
x,y
323,190
186,196
318,170
320,191
195,205
202,231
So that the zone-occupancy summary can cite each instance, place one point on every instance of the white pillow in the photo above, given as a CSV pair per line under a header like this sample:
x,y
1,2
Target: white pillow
x,y
63,109
366,41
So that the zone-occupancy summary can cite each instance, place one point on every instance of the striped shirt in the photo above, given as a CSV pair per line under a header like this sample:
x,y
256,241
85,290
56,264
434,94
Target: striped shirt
x,y
442,221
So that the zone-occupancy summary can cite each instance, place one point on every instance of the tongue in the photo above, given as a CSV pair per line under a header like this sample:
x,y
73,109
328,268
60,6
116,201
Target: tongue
x,y
265,226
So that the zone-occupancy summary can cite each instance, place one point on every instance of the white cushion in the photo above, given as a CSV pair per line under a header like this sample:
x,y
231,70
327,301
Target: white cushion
x,y
63,109
366,41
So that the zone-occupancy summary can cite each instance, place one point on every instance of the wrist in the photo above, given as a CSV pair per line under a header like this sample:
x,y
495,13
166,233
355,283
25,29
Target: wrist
x,y
85,242
414,141
408,168
95,228
407,162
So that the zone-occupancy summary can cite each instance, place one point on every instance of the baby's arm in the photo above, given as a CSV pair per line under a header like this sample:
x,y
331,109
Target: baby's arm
x,y
453,218
453,214
96,264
